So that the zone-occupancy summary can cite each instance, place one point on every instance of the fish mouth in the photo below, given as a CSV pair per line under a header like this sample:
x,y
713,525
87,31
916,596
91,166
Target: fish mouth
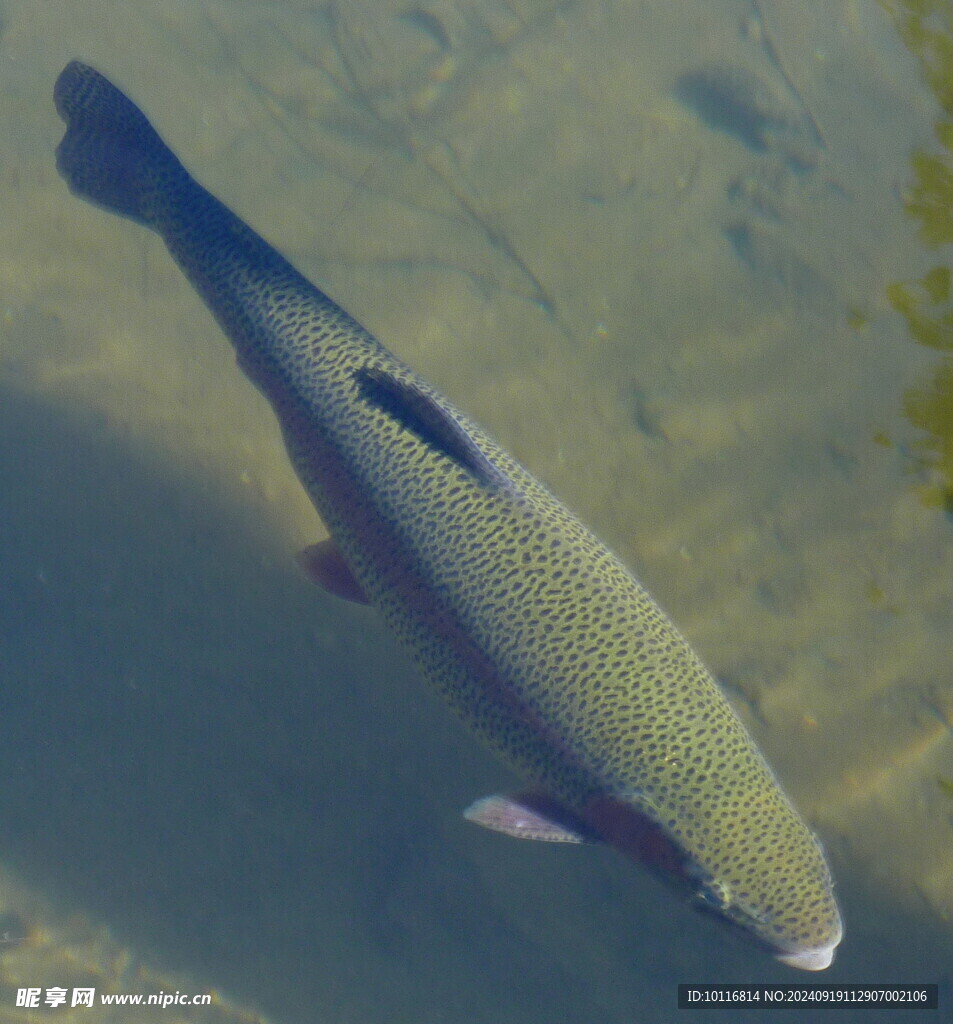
x,y
809,959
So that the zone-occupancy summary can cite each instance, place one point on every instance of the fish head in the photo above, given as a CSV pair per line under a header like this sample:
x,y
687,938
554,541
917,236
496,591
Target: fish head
x,y
799,935
762,873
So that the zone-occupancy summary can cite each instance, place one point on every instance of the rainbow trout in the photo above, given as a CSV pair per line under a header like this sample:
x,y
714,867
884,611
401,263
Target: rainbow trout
x,y
536,635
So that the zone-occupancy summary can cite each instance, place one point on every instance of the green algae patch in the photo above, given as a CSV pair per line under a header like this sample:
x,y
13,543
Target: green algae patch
x,y
926,27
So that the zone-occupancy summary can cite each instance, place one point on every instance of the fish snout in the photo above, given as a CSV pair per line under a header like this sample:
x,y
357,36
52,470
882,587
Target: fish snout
x,y
818,958
810,959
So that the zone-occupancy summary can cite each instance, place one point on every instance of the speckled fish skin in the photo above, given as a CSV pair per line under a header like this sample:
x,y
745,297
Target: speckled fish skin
x,y
532,630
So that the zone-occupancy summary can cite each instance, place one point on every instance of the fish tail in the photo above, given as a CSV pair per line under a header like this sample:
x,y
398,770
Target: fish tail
x,y
110,153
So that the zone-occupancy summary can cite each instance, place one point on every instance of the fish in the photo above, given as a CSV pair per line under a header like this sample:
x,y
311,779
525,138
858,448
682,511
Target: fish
x,y
534,632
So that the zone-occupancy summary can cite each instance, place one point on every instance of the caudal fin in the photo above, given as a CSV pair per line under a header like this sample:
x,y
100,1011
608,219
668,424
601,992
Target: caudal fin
x,y
110,153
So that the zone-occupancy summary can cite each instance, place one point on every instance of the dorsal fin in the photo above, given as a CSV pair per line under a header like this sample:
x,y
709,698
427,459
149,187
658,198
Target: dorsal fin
x,y
418,411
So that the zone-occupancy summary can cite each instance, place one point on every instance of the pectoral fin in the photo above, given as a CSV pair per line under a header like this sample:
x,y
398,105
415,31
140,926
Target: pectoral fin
x,y
325,565
530,815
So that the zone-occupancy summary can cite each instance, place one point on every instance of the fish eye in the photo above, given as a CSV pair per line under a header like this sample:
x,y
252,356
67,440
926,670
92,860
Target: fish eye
x,y
711,894
715,897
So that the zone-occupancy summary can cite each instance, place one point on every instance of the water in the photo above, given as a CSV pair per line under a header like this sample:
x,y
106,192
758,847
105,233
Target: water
x,y
674,259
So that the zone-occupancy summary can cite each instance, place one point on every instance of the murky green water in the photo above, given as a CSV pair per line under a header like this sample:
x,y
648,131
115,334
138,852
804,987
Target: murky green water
x,y
691,263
